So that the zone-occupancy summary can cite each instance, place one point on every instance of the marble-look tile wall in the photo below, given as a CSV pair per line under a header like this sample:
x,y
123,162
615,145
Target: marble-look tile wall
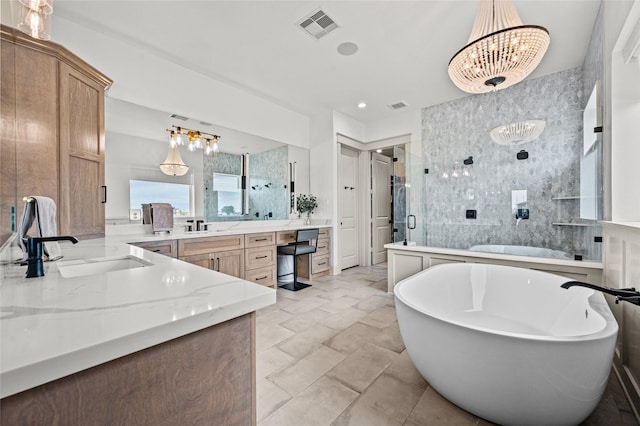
x,y
269,168
456,130
220,163
267,182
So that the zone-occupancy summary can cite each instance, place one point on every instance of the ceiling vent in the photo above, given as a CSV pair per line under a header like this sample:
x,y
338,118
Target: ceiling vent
x,y
179,117
318,24
398,105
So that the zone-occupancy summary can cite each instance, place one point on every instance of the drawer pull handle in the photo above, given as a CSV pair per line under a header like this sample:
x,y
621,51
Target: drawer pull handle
x,y
261,257
322,247
322,263
261,278
261,239
156,251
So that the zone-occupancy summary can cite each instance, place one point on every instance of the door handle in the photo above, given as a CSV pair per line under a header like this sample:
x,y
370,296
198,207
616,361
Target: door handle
x,y
409,221
104,194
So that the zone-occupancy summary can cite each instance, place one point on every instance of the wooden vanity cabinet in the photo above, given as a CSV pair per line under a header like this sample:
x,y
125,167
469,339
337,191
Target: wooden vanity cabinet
x,y
318,263
261,258
62,157
165,247
223,254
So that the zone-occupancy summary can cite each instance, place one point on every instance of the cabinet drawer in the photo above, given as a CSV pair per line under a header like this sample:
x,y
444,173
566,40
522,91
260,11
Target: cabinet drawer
x,y
319,264
187,247
260,239
324,233
167,247
286,237
265,276
323,246
260,256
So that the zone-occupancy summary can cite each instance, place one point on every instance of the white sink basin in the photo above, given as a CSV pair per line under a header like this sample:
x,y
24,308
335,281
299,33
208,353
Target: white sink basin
x,y
100,265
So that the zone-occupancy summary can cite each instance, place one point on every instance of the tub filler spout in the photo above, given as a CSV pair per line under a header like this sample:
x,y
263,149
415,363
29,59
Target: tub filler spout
x,y
622,294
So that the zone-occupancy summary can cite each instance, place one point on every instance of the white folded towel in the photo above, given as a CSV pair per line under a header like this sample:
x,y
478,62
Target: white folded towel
x,y
41,213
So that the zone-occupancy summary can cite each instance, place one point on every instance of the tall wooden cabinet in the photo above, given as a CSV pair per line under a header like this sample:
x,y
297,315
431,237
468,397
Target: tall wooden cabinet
x,y
52,115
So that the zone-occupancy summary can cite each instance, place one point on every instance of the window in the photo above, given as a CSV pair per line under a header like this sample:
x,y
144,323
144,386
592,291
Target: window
x,y
228,190
176,194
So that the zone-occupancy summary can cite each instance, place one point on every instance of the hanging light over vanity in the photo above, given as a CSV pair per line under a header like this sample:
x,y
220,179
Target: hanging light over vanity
x,y
193,139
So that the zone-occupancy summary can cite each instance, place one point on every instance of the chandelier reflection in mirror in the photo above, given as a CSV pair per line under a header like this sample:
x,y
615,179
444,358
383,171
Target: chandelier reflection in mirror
x,y
193,139
34,18
501,51
518,132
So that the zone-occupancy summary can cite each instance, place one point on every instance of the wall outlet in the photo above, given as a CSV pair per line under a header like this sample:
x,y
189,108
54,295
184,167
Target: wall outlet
x,y
471,214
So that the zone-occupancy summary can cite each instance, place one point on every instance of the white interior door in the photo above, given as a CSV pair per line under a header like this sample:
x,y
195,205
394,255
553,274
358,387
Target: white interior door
x,y
348,190
380,207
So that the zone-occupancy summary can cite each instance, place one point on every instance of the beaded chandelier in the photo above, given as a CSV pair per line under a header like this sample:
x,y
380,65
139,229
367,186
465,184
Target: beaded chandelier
x,y
501,50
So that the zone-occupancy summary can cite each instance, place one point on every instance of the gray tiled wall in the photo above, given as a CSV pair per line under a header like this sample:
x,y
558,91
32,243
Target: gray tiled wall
x,y
456,130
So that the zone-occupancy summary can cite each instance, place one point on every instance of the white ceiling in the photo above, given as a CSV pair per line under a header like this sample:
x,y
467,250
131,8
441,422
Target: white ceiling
x,y
404,46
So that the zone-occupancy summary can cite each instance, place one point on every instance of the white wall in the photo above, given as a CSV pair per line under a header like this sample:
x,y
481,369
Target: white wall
x,y
145,79
625,132
401,123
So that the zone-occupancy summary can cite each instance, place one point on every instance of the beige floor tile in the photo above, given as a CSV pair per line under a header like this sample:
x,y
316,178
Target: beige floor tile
x,y
403,368
374,302
434,410
343,319
297,377
390,338
318,315
271,360
363,366
268,335
340,304
305,342
298,323
318,405
269,398
275,317
299,306
352,338
381,317
387,402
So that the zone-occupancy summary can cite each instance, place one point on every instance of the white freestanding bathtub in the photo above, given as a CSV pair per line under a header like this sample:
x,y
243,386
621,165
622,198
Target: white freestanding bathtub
x,y
508,344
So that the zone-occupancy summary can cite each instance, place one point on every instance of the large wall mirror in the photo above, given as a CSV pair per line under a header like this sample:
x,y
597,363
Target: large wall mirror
x,y
248,179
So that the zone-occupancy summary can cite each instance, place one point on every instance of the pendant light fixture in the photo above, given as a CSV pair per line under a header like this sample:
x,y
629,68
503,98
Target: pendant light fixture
x,y
173,164
501,50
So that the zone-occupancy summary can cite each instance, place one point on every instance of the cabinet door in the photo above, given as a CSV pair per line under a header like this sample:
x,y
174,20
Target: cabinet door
x,y
36,128
8,197
203,260
230,262
82,191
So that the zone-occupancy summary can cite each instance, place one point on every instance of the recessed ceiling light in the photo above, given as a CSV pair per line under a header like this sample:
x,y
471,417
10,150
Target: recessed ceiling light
x,y
347,48
378,151
362,105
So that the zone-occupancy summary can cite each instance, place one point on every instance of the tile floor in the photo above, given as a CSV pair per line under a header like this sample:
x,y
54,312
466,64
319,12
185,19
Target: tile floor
x,y
332,354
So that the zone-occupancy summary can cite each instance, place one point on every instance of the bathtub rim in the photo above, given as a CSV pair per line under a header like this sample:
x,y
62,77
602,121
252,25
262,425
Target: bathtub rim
x,y
596,301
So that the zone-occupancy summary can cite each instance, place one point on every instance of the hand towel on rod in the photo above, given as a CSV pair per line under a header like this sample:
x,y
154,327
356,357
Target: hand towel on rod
x,y
161,217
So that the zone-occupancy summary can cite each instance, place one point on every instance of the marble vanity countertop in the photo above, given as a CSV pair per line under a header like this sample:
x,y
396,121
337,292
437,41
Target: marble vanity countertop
x,y
143,233
53,326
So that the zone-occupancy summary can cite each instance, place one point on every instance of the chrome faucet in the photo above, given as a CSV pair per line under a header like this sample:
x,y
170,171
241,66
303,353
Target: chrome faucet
x,y
35,266
622,294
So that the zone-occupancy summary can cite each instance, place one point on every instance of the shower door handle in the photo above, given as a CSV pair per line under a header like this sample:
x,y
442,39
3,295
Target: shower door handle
x,y
411,221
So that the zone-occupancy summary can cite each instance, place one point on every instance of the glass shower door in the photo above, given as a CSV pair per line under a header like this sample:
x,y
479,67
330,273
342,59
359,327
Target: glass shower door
x,y
408,193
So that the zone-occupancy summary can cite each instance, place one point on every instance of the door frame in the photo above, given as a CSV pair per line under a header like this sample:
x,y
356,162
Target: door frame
x,y
364,200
